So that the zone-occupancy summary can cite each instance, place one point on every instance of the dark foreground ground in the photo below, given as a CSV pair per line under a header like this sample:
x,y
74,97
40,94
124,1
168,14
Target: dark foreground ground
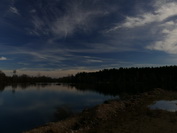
x,y
131,115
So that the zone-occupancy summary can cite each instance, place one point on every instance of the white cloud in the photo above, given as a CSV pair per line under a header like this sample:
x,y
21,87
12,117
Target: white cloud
x,y
168,43
161,13
164,23
3,58
167,40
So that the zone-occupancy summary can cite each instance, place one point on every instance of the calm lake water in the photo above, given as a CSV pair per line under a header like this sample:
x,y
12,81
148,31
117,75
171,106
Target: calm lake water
x,y
22,109
170,106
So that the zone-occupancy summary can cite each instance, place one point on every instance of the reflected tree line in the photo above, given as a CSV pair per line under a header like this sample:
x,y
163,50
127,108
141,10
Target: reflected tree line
x,y
107,81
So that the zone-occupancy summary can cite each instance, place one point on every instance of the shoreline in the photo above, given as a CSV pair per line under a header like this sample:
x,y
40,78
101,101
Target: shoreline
x,y
118,116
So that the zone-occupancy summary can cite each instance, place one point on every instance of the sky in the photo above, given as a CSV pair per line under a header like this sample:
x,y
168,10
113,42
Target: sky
x,y
62,37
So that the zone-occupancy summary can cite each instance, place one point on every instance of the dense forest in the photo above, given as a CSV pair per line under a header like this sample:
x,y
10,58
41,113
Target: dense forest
x,y
127,79
108,80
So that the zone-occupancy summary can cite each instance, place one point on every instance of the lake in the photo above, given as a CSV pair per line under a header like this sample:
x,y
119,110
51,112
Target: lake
x,y
26,107
170,106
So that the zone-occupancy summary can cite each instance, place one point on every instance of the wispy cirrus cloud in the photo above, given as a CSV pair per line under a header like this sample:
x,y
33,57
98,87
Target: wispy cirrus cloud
x,y
48,58
14,10
76,16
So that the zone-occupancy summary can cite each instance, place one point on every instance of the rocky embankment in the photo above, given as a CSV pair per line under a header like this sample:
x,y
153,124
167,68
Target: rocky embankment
x,y
131,115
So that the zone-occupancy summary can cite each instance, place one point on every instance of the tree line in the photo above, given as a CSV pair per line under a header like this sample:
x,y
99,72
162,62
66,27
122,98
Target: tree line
x,y
108,80
128,79
15,79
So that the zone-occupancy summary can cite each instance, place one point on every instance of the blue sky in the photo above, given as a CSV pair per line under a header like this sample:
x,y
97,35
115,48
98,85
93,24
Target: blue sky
x,y
61,37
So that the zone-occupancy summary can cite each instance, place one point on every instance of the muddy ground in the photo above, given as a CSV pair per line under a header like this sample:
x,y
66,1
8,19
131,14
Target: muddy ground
x,y
131,114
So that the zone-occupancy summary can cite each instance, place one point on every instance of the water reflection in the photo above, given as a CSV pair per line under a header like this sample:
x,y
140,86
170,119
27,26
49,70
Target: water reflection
x,y
62,112
36,105
165,105
2,87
